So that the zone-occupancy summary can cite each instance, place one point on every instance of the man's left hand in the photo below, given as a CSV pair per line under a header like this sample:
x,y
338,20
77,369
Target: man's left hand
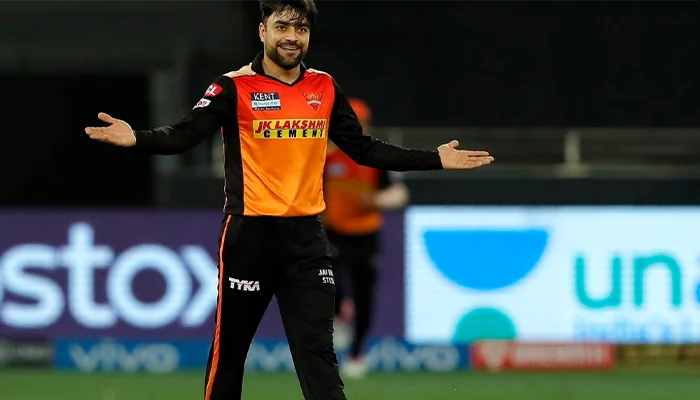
x,y
452,158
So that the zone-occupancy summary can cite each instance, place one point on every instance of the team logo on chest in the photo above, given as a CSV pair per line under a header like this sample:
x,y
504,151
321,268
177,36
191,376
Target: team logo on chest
x,y
313,99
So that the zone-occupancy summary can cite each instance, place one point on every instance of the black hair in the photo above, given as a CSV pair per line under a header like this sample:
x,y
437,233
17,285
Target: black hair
x,y
302,10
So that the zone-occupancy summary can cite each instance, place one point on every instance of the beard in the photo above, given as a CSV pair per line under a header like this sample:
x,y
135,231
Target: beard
x,y
286,62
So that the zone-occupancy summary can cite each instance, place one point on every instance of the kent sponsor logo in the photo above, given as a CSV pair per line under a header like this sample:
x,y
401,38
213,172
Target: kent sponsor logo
x,y
265,101
290,129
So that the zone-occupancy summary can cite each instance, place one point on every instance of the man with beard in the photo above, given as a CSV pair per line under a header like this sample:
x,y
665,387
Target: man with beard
x,y
276,116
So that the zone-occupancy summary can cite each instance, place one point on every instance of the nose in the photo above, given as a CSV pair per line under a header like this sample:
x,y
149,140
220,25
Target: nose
x,y
291,36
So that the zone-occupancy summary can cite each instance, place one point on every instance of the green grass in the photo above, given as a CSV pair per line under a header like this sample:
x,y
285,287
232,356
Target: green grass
x,y
648,385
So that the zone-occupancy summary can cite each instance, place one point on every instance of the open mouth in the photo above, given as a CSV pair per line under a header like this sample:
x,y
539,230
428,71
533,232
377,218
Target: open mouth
x,y
289,48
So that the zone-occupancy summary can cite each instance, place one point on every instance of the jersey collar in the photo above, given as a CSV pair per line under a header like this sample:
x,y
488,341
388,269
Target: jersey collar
x,y
256,66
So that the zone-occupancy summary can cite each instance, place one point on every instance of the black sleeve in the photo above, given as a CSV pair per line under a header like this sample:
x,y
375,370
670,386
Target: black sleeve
x,y
346,133
205,119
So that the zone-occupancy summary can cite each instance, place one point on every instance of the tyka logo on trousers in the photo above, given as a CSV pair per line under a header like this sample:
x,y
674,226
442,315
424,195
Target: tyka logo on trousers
x,y
246,286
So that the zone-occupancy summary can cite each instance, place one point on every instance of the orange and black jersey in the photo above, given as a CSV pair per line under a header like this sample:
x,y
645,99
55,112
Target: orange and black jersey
x,y
345,185
275,139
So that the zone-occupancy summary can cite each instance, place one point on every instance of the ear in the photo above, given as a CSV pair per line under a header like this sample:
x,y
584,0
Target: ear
x,y
261,32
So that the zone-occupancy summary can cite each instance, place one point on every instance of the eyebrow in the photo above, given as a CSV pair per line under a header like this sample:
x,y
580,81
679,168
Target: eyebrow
x,y
283,22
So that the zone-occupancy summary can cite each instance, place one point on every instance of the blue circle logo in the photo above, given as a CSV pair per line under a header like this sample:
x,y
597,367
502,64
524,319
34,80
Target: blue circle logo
x,y
485,260
484,323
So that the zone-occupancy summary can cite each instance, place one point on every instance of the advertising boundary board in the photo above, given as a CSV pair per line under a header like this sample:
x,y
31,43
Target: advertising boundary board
x,y
141,274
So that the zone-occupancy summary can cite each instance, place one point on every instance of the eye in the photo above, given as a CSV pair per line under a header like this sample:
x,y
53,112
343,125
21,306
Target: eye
x,y
281,27
303,30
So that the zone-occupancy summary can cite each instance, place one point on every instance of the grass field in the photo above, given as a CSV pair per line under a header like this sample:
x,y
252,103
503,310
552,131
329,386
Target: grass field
x,y
657,385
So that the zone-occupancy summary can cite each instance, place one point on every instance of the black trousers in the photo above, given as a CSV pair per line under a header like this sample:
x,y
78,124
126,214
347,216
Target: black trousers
x,y
355,261
261,257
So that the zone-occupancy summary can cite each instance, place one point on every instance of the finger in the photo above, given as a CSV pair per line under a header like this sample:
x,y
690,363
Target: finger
x,y
99,135
94,131
481,159
454,144
106,118
478,162
474,153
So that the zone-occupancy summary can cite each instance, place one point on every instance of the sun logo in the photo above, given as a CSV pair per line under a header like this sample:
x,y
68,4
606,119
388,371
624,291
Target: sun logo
x,y
313,99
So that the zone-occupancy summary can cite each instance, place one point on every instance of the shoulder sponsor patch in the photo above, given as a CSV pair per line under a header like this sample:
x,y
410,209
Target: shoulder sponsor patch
x,y
265,101
202,103
213,90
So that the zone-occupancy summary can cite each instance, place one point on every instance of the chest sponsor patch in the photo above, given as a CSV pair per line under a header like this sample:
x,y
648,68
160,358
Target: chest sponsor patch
x,y
290,129
265,101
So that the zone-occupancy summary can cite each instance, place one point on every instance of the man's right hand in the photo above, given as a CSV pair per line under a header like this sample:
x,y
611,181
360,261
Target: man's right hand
x,y
118,132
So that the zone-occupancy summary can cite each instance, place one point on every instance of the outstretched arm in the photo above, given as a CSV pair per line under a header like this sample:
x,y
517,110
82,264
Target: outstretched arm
x,y
205,119
346,133
207,116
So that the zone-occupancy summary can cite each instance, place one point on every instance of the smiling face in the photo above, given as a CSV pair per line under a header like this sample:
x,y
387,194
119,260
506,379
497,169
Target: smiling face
x,y
285,35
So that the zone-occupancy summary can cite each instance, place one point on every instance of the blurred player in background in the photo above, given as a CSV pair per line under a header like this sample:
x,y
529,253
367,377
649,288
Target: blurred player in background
x,y
355,198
